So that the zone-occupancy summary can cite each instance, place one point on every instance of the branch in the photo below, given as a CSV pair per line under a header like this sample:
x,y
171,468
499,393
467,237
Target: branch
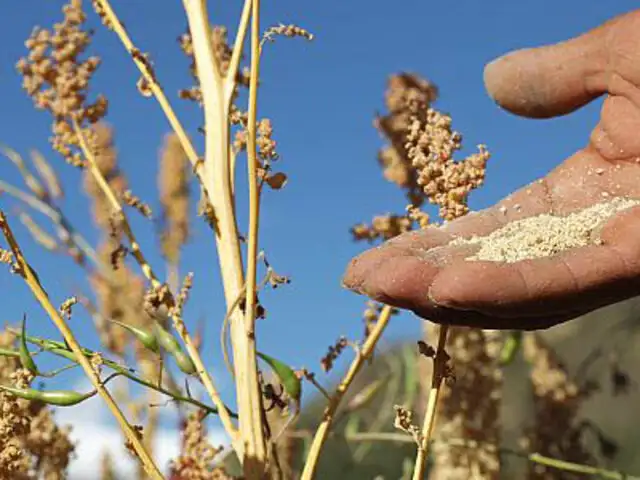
x,y
225,417
155,283
234,63
439,368
329,412
56,349
114,24
118,211
31,278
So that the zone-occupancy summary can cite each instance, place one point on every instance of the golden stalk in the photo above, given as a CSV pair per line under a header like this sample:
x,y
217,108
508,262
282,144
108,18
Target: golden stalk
x,y
148,272
151,80
252,168
234,63
252,246
116,207
225,418
41,295
439,365
311,462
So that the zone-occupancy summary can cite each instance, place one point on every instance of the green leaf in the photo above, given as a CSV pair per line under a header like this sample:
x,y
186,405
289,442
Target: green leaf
x,y
287,376
25,356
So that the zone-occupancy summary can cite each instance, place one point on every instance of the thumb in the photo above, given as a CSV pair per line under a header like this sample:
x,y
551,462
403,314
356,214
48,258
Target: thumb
x,y
551,80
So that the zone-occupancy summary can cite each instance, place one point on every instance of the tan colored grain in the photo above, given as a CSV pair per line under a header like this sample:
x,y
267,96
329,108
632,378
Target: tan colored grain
x,y
545,235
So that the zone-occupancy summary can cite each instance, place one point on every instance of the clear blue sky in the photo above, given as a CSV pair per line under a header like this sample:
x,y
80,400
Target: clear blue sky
x,y
322,97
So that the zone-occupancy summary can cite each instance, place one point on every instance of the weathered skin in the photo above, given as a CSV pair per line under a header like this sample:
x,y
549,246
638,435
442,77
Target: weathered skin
x,y
531,294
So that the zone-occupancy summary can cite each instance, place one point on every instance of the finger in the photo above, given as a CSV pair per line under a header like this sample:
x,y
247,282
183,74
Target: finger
x,y
551,80
403,282
361,267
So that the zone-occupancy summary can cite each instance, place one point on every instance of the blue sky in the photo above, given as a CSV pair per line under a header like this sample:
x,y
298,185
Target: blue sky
x,y
322,97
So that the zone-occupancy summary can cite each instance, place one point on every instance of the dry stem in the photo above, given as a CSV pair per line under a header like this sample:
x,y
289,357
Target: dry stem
x,y
38,291
322,432
155,87
439,367
225,418
147,270
218,185
252,167
236,54
118,212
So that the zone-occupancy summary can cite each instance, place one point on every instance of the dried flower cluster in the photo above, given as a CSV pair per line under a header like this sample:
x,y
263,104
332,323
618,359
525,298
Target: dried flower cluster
x,y
404,90
183,295
286,31
333,353
57,79
67,305
404,421
106,156
383,227
419,159
196,460
6,256
266,151
418,216
31,444
120,294
557,400
173,184
430,147
14,423
135,202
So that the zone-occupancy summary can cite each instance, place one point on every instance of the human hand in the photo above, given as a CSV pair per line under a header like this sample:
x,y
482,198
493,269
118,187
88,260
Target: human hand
x,y
419,271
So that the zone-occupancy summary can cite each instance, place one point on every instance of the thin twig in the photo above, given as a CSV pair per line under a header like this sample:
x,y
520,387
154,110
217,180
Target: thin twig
x,y
152,81
66,231
252,169
329,412
116,207
256,412
232,72
148,272
439,368
38,291
56,349
225,418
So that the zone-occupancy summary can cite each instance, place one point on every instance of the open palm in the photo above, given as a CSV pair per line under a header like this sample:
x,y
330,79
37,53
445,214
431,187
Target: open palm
x,y
530,294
